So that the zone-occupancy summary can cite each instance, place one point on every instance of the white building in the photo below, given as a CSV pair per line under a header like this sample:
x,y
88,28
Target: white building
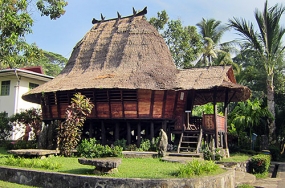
x,y
16,82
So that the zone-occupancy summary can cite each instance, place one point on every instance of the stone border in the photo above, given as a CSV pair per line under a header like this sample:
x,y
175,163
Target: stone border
x,y
59,180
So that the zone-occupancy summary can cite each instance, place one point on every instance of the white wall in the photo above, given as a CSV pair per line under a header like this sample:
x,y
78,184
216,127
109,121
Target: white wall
x,y
7,102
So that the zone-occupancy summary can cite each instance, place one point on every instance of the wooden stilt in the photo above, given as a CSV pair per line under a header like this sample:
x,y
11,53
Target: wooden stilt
x,y
117,131
151,131
103,133
139,134
164,126
91,129
129,134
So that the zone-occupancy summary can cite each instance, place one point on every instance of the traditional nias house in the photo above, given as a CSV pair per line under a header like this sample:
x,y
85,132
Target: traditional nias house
x,y
125,67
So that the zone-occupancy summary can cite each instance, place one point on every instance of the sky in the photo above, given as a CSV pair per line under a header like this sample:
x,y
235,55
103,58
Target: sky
x,y
61,35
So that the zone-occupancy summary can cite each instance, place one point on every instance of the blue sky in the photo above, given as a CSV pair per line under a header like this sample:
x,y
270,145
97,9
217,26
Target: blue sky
x,y
61,35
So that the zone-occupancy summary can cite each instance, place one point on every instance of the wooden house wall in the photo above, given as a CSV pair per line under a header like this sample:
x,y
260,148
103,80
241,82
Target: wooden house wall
x,y
120,104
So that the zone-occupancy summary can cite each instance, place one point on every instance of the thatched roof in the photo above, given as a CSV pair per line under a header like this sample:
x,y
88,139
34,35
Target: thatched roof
x,y
128,53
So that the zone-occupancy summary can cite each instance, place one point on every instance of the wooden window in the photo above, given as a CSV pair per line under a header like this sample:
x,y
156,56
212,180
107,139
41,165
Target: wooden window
x,y
33,85
5,88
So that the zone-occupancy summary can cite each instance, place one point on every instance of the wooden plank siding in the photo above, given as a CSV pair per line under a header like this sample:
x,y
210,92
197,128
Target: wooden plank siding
x,y
120,104
179,111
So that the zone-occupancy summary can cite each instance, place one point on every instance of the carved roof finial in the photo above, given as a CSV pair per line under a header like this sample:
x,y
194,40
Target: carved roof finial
x,y
134,11
102,17
119,15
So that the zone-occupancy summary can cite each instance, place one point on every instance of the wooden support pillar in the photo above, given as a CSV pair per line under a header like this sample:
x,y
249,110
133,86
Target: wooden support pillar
x,y
103,133
91,130
226,122
129,133
216,126
117,131
215,118
139,134
151,131
164,124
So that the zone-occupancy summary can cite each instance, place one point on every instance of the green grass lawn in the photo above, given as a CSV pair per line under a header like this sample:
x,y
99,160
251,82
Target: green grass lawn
x,y
152,168
237,157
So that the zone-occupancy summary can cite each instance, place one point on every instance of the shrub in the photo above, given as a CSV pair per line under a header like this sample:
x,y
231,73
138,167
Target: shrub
x,y
31,163
209,155
5,126
89,148
69,131
121,143
259,164
145,145
132,147
21,144
197,168
275,152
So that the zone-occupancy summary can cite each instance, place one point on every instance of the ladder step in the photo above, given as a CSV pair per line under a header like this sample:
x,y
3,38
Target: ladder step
x,y
190,136
186,142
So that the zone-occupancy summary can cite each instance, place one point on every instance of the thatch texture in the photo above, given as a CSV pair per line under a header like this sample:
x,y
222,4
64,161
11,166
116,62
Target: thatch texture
x,y
129,53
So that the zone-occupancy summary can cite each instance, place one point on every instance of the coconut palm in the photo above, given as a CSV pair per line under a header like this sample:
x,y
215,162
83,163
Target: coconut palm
x,y
267,42
212,32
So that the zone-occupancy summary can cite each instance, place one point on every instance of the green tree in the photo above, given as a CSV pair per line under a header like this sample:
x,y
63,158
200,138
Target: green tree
x,y
267,42
51,63
212,32
16,23
247,115
184,43
160,21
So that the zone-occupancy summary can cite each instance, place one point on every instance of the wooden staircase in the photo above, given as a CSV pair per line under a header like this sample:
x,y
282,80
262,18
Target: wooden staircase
x,y
190,141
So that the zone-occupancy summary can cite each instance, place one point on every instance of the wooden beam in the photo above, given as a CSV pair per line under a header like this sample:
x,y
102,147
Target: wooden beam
x,y
151,104
164,123
226,118
164,103
215,117
91,129
117,131
122,103
151,131
129,134
138,134
103,133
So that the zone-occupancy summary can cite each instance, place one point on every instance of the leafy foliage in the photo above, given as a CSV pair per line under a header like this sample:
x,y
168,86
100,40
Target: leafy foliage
x,y
184,43
69,131
121,143
31,163
16,22
197,168
51,63
268,48
90,148
5,126
259,164
246,116
30,118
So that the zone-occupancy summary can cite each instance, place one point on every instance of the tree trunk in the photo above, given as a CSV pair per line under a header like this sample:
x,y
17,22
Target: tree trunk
x,y
271,108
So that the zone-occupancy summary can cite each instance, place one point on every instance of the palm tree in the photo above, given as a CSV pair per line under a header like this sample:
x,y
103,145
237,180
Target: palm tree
x,y
267,42
212,32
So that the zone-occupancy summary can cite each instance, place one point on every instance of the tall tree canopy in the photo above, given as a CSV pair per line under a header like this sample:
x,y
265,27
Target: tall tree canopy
x,y
185,43
267,44
15,23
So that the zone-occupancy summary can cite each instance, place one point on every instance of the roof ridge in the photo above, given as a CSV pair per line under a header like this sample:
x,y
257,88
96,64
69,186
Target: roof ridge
x,y
135,13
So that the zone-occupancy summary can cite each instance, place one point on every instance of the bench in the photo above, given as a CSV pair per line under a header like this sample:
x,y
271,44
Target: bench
x,y
42,153
102,165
